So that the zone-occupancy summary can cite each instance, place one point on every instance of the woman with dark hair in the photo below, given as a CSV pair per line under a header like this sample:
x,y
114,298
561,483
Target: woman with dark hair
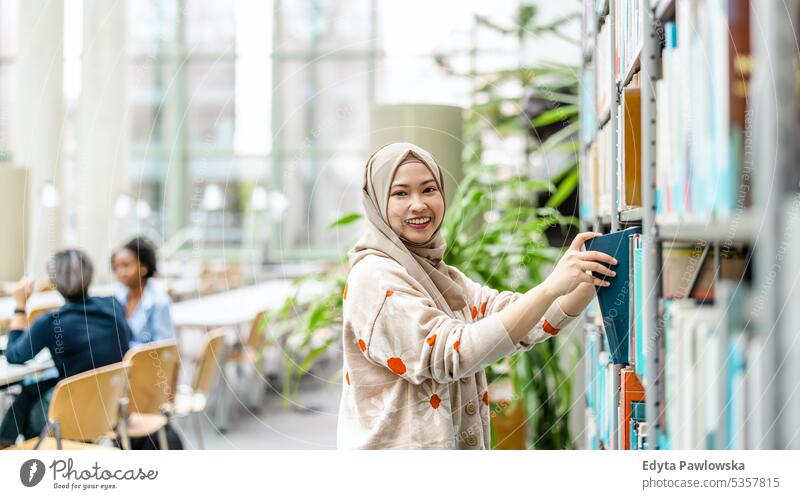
x,y
146,306
85,333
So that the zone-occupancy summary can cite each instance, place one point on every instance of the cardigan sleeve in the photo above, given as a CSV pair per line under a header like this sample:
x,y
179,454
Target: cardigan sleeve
x,y
485,301
397,326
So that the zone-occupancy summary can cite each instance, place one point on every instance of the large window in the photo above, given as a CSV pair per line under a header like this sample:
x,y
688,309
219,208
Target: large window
x,y
250,111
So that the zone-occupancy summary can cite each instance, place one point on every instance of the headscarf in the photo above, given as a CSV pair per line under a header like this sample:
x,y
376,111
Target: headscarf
x,y
422,261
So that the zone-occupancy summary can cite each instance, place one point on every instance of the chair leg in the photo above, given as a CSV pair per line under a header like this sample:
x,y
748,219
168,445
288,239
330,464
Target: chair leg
x,y
163,444
196,422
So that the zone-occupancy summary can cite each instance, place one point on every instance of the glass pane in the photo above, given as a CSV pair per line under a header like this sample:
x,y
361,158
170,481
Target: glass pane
x,y
210,26
7,88
295,90
320,191
345,25
324,25
210,104
146,98
9,15
152,26
342,104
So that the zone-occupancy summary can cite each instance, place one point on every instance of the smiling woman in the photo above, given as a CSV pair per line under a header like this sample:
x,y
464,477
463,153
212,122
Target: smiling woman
x,y
417,332
416,204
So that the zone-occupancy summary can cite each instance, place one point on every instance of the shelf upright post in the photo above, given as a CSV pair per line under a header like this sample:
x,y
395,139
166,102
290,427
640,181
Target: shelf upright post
x,y
650,64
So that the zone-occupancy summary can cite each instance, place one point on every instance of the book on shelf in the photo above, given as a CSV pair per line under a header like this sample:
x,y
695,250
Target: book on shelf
x,y
613,300
629,172
689,271
631,391
628,35
702,118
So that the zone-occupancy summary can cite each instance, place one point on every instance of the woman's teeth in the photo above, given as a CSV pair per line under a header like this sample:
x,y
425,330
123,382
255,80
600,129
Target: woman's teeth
x,y
419,221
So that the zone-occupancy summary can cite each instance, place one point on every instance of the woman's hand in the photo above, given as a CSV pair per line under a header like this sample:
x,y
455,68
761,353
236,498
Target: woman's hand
x,y
576,267
22,291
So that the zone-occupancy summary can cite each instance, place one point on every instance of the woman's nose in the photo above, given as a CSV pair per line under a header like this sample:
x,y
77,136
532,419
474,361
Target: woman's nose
x,y
417,204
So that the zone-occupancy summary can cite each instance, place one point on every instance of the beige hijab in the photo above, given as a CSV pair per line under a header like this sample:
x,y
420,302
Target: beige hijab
x,y
422,261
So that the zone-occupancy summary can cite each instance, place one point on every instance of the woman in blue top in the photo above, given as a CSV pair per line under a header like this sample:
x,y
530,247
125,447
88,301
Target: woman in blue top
x,y
146,306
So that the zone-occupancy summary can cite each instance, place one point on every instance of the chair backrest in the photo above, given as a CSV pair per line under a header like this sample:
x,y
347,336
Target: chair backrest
x,y
258,332
34,313
153,376
86,406
209,362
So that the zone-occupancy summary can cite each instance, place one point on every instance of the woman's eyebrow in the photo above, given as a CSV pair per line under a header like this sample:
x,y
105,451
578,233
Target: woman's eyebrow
x,y
421,183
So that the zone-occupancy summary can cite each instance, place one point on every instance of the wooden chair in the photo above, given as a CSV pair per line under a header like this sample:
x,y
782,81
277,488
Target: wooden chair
x,y
153,377
85,408
246,352
34,313
192,400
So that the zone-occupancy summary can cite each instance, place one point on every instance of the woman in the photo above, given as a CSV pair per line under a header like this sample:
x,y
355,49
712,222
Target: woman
x,y
85,333
418,333
146,307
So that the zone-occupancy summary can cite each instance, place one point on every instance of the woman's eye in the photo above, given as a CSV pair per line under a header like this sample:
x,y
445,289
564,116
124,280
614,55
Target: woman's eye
x,y
430,189
399,193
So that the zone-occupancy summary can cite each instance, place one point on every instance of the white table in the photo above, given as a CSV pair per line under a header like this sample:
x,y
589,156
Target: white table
x,y
238,306
233,308
14,373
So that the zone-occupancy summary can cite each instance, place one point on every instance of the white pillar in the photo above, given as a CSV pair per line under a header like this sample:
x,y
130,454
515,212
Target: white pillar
x,y
38,126
102,133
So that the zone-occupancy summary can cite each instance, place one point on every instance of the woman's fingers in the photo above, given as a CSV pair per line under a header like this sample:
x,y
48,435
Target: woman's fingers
x,y
597,256
582,238
597,267
600,282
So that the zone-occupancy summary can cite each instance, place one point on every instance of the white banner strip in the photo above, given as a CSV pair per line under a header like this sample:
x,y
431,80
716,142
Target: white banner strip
x,y
388,474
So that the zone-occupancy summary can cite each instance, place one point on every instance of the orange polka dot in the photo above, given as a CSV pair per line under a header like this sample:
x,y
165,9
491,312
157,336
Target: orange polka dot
x,y
362,345
435,401
549,329
431,340
344,296
396,365
474,312
389,293
485,398
456,345
347,377
483,308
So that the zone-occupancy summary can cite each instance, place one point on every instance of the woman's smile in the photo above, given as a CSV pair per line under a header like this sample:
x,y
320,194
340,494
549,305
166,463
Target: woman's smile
x,y
419,223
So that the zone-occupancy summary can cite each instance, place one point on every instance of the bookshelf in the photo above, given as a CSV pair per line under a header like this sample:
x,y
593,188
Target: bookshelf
x,y
702,155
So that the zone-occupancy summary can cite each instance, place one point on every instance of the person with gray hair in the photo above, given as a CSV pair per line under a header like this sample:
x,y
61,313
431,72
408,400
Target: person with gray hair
x,y
71,273
85,333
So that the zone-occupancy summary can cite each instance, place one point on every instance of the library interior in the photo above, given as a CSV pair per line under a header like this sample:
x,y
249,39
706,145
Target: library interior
x,y
368,224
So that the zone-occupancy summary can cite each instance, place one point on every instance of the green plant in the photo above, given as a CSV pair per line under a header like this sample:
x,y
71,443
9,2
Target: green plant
x,y
508,249
307,329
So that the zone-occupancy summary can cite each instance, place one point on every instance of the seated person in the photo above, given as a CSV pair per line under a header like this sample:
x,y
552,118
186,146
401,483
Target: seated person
x,y
146,306
85,333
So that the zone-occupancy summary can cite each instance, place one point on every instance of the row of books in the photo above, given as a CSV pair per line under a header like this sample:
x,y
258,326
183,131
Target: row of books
x,y
702,120
713,373
628,35
603,93
596,182
595,187
690,347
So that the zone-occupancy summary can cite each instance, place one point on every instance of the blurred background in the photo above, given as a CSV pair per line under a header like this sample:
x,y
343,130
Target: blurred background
x,y
233,134
236,128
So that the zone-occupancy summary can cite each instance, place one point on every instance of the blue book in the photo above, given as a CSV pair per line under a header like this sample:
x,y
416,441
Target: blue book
x,y
640,355
614,299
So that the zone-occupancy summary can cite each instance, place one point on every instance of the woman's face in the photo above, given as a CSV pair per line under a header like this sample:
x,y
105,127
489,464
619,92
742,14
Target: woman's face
x,y
416,205
128,269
